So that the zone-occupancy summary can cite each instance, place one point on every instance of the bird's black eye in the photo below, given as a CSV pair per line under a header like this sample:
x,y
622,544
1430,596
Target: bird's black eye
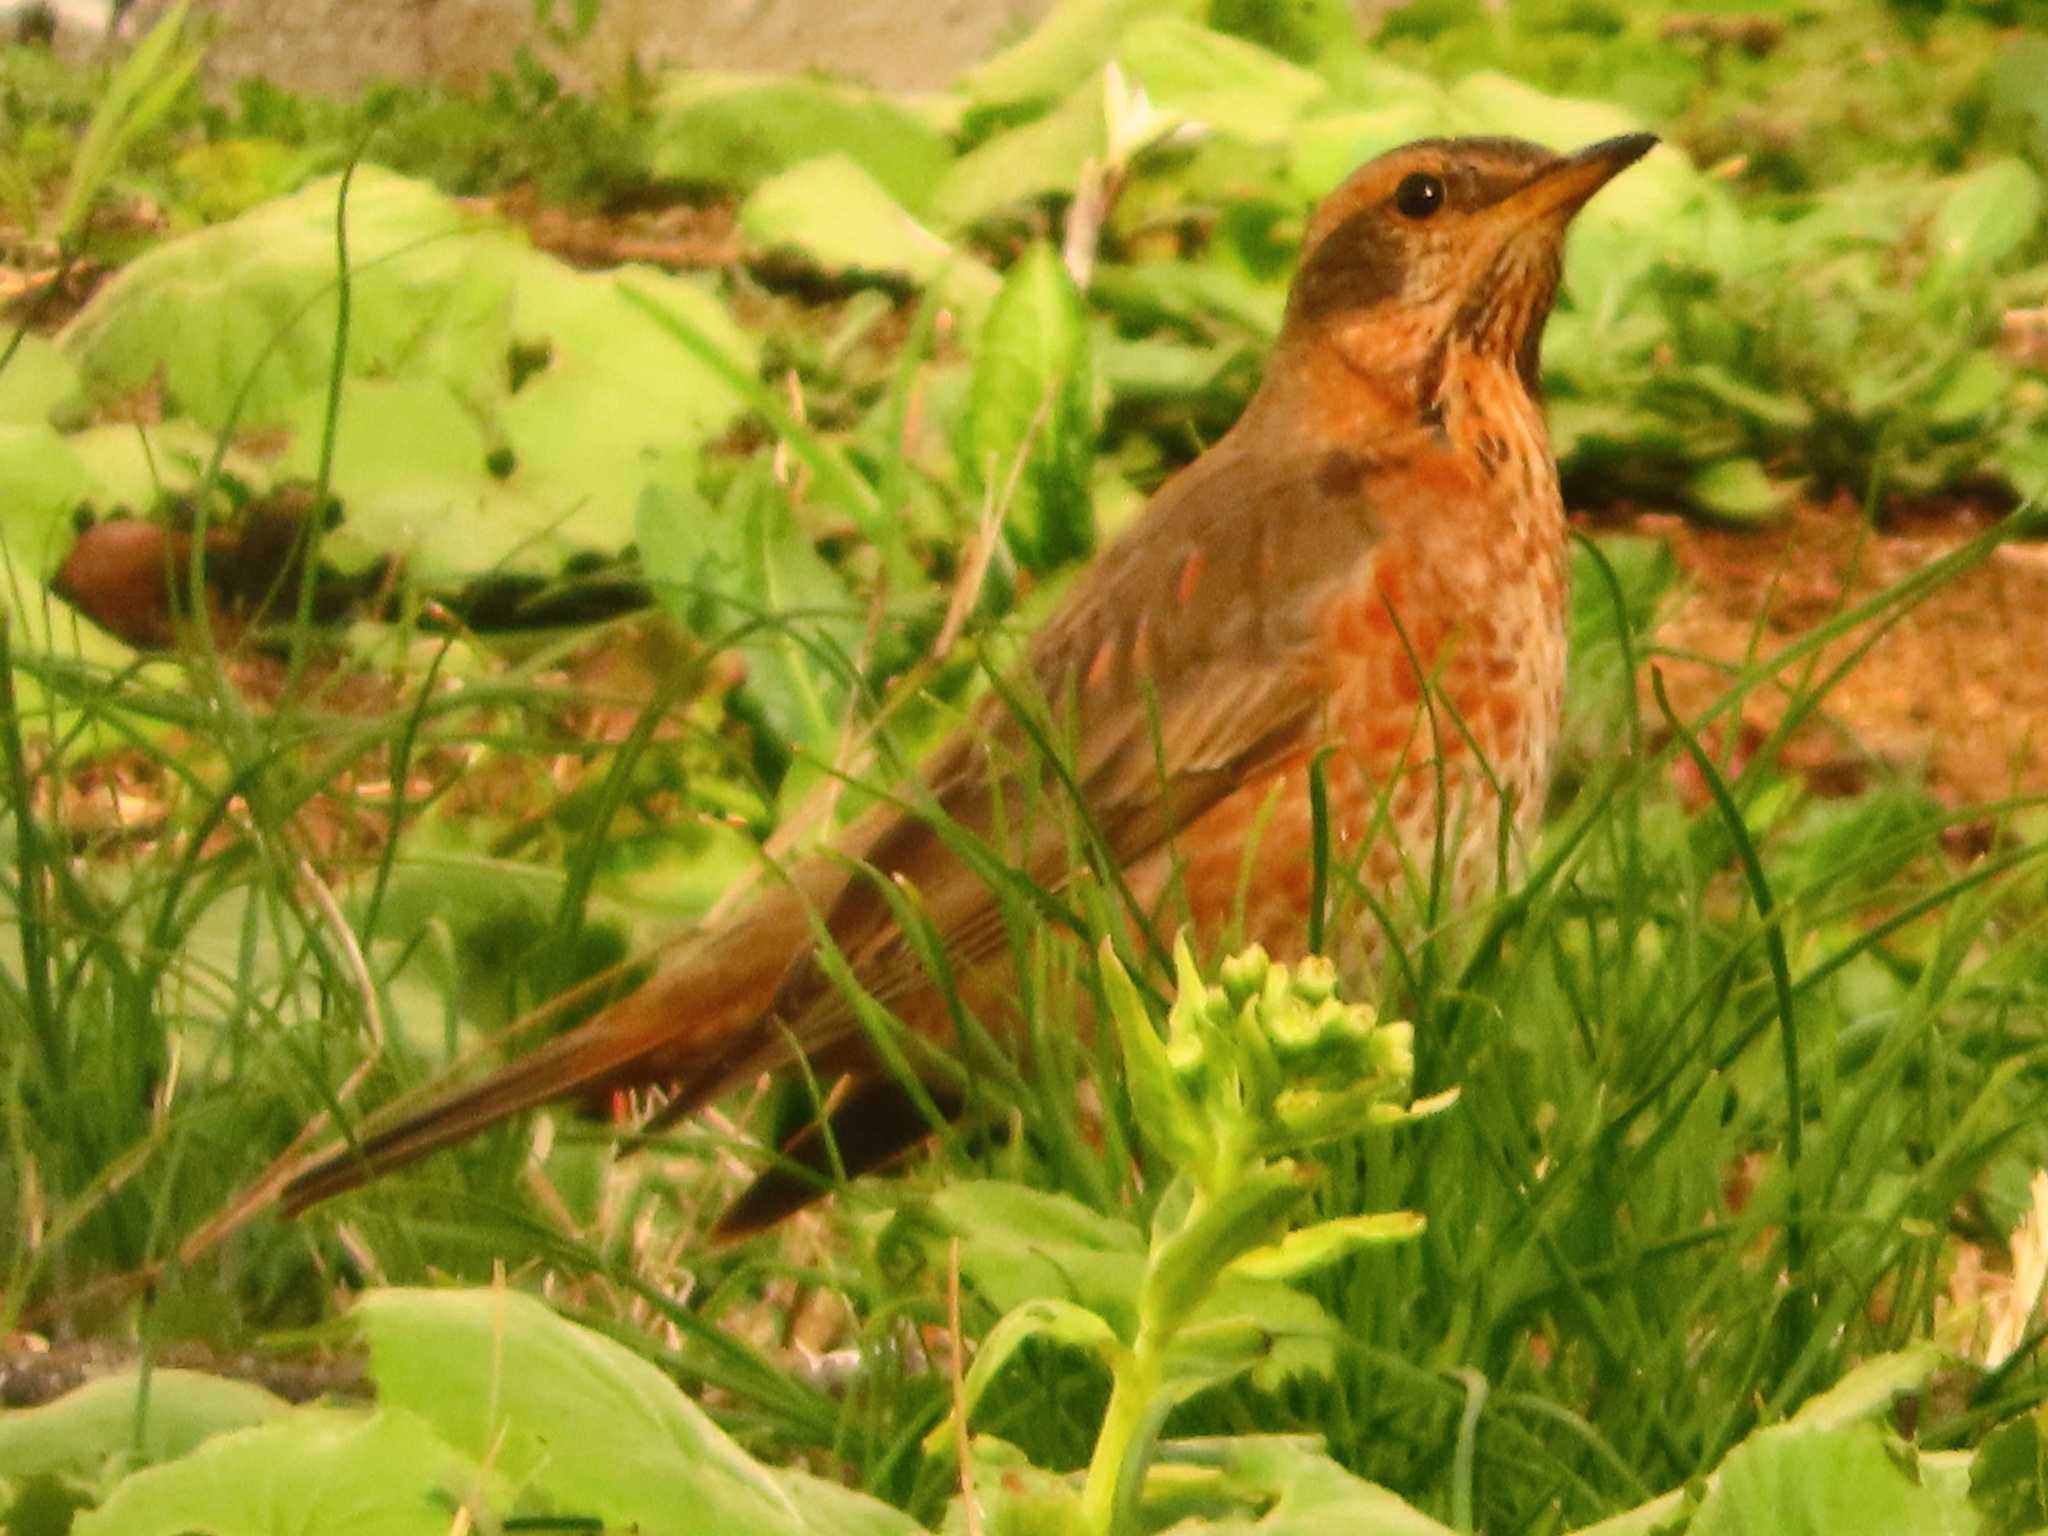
x,y
1419,195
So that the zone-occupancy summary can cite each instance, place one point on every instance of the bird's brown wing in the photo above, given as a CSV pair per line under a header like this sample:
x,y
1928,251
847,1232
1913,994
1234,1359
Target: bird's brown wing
x,y
1185,661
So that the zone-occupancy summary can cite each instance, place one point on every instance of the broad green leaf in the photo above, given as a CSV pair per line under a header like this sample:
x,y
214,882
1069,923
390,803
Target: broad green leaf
x,y
1873,1385
38,382
1062,1322
1986,217
1308,1249
2009,1475
1794,1480
1300,1338
1073,40
1739,490
604,359
1784,411
1310,31
1191,295
1324,150
432,297
617,406
438,301
225,178
837,215
1034,160
97,1422
1608,429
1498,103
581,1423
44,482
410,470
1018,1245
409,461
1251,1212
1300,1492
132,465
1230,85
745,575
468,894
738,131
1026,434
1977,385
1014,1498
2023,460
386,1474
833,1509
1154,368
1216,1350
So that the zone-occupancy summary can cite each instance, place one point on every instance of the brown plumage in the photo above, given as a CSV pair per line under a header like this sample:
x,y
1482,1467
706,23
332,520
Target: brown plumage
x,y
1369,566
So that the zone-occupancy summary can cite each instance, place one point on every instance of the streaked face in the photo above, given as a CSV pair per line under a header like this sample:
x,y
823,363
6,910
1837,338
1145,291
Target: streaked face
x,y
1446,240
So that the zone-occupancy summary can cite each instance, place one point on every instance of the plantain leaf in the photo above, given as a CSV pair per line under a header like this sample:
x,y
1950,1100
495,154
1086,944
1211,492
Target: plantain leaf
x,y
1072,41
835,214
1223,82
1739,490
744,575
1986,217
739,131
386,1474
1026,435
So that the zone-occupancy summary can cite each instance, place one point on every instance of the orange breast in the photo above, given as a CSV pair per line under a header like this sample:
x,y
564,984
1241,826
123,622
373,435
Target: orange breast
x,y
1444,683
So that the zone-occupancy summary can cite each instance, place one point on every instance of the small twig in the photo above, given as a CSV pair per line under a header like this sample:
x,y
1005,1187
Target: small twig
x,y
851,754
790,471
1101,181
345,941
970,1506
974,574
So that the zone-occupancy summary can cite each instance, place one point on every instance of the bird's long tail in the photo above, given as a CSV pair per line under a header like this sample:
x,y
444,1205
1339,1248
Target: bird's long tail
x,y
693,1024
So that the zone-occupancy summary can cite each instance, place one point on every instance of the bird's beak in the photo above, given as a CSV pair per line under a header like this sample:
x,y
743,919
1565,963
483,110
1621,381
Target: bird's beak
x,y
1562,189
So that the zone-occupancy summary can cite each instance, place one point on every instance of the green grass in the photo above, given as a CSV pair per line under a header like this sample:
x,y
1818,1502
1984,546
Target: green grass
x,y
1739,1080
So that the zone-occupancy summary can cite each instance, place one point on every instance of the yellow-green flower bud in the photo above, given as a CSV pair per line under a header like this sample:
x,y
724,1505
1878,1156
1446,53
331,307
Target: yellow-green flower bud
x,y
1244,973
1393,1049
1315,978
1295,1032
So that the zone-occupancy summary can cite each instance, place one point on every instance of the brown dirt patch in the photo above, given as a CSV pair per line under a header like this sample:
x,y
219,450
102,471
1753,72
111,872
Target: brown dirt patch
x,y
677,237
1956,690
34,1371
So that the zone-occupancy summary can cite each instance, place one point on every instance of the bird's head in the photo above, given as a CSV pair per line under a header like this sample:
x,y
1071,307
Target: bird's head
x,y
1445,244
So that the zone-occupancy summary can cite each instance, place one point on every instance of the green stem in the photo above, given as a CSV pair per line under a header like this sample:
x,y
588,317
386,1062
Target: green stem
x,y
1137,1407
1137,1397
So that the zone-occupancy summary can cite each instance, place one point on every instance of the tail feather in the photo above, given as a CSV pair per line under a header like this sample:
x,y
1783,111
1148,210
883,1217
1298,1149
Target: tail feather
x,y
684,1025
698,1027
595,1056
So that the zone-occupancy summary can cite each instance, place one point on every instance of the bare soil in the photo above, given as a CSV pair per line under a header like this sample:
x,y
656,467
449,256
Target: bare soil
x,y
1956,690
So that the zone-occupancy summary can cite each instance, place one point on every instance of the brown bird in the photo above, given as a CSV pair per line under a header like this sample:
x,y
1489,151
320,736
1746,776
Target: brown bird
x,y
1368,570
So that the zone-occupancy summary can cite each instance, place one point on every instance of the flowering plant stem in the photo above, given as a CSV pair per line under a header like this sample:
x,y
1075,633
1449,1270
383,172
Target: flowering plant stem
x,y
1263,1065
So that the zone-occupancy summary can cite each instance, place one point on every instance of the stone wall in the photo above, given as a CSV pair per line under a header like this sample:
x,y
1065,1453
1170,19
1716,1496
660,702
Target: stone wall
x,y
338,45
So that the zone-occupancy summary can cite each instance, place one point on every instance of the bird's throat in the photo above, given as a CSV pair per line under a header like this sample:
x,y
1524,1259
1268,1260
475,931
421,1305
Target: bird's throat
x,y
1480,407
